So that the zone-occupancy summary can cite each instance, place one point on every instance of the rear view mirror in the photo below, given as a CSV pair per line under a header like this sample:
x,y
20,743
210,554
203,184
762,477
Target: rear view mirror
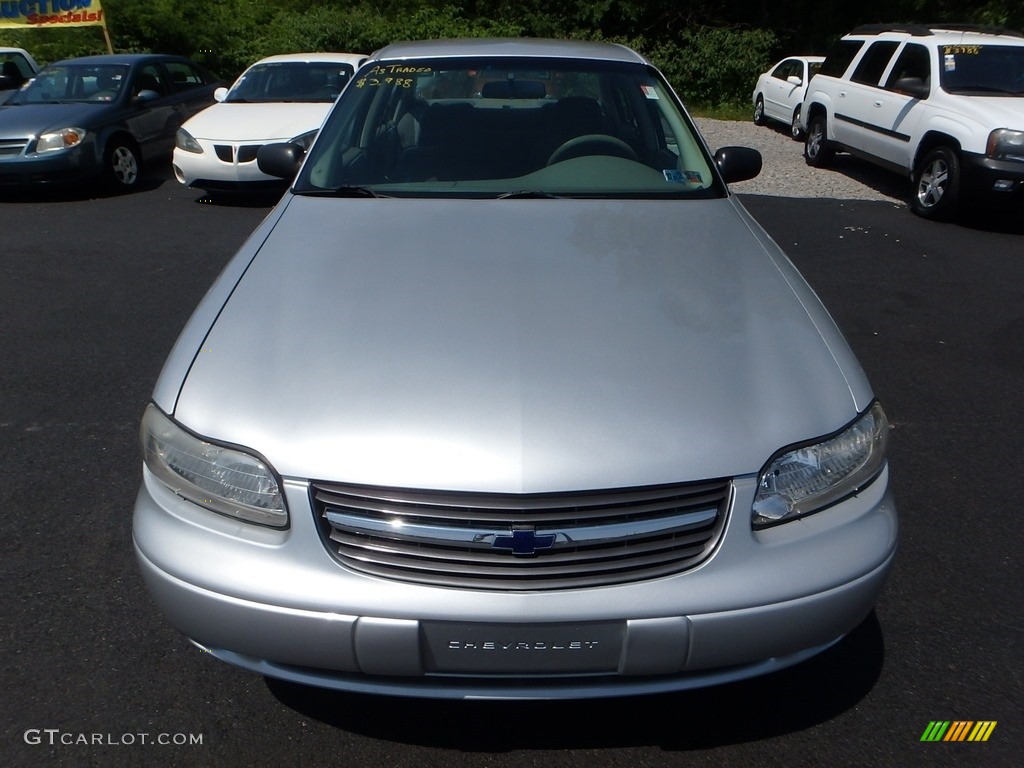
x,y
281,160
911,86
738,163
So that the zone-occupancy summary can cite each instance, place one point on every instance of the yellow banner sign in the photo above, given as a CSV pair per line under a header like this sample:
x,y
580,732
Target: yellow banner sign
x,y
50,14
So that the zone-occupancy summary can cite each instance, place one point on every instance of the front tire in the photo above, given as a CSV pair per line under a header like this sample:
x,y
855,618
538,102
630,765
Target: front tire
x,y
818,150
122,168
759,111
936,184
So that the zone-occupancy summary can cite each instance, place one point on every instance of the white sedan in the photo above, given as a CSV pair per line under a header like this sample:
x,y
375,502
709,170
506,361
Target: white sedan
x,y
780,91
279,98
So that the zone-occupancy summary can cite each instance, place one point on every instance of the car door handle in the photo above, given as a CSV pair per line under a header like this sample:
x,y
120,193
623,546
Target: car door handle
x,y
878,103
842,94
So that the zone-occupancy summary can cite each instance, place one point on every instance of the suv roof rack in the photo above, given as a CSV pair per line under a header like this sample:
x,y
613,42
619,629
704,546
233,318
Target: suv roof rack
x,y
917,30
925,30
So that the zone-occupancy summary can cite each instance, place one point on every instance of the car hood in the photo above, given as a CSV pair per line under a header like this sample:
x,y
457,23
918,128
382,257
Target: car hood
x,y
20,120
988,112
513,345
256,122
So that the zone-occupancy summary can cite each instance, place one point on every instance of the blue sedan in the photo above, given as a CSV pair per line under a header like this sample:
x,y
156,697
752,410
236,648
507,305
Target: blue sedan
x,y
99,117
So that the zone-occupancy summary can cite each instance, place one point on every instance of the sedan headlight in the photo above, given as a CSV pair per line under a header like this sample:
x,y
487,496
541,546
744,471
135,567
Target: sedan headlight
x,y
183,140
806,479
223,479
65,138
1004,142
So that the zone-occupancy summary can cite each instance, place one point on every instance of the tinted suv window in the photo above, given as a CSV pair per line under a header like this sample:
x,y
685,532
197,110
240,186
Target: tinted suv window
x,y
914,61
871,67
839,58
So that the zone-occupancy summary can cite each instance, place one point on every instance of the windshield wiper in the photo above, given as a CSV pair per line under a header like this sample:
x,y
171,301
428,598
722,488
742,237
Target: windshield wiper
x,y
529,193
345,191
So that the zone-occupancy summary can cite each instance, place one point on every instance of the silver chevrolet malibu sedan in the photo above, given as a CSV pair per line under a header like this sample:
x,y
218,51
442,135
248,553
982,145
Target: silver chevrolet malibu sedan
x,y
509,397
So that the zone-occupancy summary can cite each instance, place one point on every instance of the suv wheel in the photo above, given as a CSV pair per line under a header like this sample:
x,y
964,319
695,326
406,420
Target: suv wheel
x,y
818,150
936,184
794,127
759,111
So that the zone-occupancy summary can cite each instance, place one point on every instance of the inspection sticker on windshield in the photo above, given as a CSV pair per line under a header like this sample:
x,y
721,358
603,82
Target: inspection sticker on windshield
x,y
649,92
684,177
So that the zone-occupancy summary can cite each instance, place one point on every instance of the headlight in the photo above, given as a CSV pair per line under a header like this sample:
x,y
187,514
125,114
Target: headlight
x,y
1006,143
183,140
225,480
803,480
304,140
65,138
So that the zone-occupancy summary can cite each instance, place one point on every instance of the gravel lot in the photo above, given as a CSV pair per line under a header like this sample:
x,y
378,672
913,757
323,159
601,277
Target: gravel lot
x,y
785,174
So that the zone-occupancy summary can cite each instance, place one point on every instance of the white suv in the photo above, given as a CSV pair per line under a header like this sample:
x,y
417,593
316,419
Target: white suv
x,y
942,106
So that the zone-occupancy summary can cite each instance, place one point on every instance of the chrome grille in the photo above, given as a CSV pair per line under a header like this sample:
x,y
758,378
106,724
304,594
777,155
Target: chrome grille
x,y
521,542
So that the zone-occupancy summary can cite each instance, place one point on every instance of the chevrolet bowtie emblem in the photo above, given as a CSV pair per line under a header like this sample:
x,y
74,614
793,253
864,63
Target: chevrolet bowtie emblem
x,y
523,542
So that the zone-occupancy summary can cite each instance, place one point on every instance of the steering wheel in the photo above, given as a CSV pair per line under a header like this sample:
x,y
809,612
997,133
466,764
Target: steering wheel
x,y
592,144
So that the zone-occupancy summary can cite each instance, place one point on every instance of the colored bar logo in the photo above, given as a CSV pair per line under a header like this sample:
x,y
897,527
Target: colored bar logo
x,y
958,730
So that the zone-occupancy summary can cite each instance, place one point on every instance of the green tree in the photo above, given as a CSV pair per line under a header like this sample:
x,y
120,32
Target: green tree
x,y
711,50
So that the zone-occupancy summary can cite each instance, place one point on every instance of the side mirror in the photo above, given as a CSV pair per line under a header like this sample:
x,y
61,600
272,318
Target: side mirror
x,y
146,95
794,80
911,86
738,163
281,160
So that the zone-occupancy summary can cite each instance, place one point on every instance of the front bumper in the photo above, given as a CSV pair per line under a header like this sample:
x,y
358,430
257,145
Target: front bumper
x,y
277,603
54,168
1000,179
208,171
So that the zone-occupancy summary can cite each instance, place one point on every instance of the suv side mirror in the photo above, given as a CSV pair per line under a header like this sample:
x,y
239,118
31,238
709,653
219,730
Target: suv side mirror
x,y
738,163
911,86
281,160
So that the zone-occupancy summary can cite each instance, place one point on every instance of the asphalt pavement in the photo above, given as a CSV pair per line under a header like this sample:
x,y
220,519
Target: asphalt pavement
x,y
93,293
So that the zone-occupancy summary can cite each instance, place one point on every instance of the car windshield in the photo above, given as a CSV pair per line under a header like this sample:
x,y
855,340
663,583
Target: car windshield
x,y
291,81
508,127
982,70
74,82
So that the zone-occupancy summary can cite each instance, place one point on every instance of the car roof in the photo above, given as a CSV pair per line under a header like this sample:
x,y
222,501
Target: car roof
x,y
121,58
344,58
521,46
938,33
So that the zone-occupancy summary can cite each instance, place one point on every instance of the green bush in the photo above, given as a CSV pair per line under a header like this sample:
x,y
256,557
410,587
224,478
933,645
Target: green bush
x,y
716,67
